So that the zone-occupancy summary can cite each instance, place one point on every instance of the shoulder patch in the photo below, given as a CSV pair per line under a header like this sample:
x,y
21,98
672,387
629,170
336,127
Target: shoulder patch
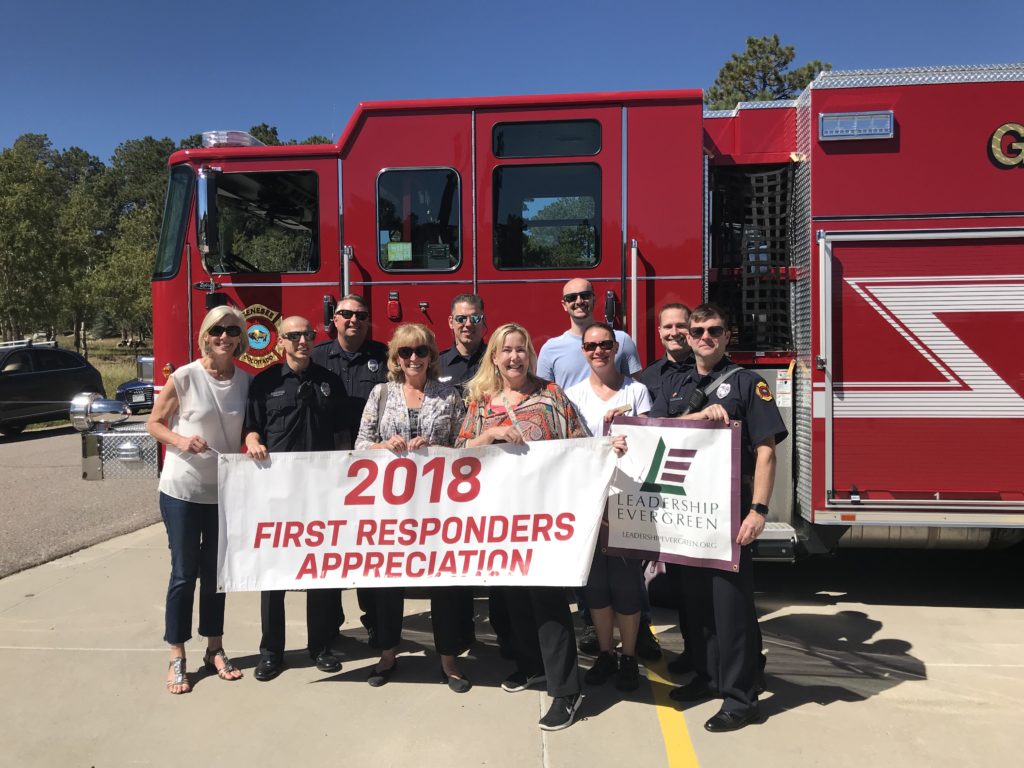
x,y
763,392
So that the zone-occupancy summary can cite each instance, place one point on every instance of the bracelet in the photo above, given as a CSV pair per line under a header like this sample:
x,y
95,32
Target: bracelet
x,y
761,509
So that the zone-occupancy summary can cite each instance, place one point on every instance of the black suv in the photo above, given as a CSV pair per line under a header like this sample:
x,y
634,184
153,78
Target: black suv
x,y
37,382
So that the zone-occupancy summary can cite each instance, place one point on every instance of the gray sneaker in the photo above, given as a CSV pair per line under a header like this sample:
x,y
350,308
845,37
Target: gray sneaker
x,y
563,711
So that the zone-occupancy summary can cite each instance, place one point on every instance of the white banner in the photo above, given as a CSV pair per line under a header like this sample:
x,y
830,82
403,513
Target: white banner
x,y
676,496
501,514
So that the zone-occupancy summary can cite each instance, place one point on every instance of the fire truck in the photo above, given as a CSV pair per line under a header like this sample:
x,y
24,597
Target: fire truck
x,y
867,239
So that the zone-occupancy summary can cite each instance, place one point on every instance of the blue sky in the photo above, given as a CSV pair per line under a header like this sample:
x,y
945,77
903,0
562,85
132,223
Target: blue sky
x,y
93,74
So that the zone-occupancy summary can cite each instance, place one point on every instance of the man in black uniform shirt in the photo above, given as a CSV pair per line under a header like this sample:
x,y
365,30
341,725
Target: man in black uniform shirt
x,y
462,359
720,604
361,364
673,320
294,406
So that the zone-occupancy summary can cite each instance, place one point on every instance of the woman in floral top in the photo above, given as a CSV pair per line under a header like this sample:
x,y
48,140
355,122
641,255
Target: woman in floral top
x,y
416,411
507,403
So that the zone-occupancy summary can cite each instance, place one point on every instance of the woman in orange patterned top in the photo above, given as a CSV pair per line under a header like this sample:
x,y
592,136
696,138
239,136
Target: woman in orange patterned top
x,y
507,403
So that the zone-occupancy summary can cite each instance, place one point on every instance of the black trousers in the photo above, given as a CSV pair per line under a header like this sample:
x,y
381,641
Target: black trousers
x,y
543,637
723,631
321,620
446,608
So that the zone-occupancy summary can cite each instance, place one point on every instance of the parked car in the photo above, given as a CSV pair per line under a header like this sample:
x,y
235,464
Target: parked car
x,y
138,393
37,382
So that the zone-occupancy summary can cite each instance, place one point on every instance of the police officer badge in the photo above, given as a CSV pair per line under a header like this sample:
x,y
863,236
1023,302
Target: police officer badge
x,y
325,389
373,365
723,391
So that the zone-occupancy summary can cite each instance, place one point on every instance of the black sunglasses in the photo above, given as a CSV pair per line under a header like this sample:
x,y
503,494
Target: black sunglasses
x,y
471,319
360,314
714,331
231,330
296,335
421,352
570,298
591,346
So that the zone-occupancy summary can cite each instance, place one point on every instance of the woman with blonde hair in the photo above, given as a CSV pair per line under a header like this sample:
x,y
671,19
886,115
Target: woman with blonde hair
x,y
508,403
198,415
413,410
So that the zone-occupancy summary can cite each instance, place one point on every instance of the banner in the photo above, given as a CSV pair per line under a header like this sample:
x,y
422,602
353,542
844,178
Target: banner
x,y
500,514
676,496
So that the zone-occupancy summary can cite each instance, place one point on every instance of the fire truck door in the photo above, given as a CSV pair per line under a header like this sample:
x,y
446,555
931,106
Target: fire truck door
x,y
276,251
549,192
923,392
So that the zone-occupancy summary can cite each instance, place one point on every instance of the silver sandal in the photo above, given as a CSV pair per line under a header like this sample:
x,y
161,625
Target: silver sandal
x,y
224,672
177,664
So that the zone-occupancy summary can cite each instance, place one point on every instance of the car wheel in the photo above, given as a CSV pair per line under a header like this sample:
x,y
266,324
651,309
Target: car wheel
x,y
11,430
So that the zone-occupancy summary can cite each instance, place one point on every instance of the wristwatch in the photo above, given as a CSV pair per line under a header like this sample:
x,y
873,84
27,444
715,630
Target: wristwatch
x,y
761,509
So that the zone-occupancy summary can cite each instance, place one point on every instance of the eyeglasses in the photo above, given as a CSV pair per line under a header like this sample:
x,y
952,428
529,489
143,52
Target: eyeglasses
x,y
231,330
360,314
471,319
421,351
296,335
592,346
307,392
570,298
714,331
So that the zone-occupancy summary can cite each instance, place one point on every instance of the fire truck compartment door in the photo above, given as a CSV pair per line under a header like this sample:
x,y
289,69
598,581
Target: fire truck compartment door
x,y
923,391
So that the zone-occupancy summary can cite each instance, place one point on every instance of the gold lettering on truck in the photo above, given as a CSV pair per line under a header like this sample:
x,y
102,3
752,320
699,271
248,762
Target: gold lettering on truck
x,y
1016,145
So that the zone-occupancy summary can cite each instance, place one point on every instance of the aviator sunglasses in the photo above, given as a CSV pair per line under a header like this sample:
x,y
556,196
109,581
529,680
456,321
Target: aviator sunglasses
x,y
231,330
592,346
714,331
421,352
296,335
570,298
360,314
471,319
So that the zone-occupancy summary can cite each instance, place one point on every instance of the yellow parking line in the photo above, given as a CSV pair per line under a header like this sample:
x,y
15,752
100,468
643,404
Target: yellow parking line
x,y
678,747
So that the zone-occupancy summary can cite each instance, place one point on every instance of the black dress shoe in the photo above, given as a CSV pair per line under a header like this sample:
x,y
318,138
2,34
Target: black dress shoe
x,y
733,721
268,668
377,678
327,662
695,690
457,684
681,664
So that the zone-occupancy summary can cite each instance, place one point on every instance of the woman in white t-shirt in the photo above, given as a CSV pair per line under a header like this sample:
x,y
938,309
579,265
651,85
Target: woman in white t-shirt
x,y
614,590
198,415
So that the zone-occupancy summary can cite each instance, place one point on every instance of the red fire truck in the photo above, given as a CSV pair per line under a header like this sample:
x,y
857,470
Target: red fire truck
x,y
867,237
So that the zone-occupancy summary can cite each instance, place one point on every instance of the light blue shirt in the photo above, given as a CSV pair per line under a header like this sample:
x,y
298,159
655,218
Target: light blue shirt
x,y
562,361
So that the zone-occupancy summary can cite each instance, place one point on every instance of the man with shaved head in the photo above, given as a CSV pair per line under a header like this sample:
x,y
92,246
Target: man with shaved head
x,y
295,405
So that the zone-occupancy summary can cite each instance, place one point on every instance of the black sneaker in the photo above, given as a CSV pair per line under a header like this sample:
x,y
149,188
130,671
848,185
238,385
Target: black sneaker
x,y
604,667
647,647
588,641
563,710
520,681
628,677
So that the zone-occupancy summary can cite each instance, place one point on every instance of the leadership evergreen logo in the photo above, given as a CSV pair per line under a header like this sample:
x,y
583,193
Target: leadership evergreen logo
x,y
668,469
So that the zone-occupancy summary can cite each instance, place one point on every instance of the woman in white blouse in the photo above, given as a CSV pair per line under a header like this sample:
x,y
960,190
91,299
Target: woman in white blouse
x,y
198,415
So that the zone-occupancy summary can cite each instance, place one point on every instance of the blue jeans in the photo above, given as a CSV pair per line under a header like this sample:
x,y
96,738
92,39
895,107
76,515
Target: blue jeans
x,y
192,538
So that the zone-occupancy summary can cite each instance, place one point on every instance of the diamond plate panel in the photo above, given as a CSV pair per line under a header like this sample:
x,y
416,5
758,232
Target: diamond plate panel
x,y
127,452
866,78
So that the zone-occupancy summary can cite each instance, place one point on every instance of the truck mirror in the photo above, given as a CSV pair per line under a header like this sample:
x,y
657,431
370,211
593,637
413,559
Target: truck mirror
x,y
208,234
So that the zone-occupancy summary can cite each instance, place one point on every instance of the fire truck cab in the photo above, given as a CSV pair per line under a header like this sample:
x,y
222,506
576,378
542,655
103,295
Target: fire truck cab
x,y
867,239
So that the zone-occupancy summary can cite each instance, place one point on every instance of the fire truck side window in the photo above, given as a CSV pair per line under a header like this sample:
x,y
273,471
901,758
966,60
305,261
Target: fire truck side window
x,y
268,222
547,216
418,219
563,138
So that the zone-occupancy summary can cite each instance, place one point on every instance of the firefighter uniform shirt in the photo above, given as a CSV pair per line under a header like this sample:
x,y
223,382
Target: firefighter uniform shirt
x,y
456,370
295,411
360,372
745,396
